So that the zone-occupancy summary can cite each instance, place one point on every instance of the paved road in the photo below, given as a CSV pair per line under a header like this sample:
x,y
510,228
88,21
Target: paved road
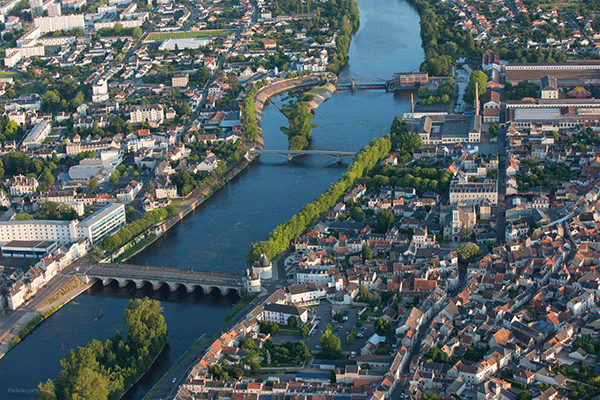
x,y
18,318
167,389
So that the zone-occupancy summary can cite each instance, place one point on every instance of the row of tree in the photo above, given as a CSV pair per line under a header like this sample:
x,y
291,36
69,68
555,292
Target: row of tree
x,y
130,231
104,371
345,11
281,237
249,123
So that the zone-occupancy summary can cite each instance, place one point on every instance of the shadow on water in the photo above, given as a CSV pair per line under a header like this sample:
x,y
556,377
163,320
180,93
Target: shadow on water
x,y
181,298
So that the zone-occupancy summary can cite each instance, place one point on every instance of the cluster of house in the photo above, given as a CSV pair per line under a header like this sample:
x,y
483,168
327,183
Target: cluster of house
x,y
16,285
486,20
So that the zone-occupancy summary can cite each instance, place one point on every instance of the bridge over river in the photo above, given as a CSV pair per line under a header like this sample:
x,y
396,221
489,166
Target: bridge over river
x,y
174,278
290,154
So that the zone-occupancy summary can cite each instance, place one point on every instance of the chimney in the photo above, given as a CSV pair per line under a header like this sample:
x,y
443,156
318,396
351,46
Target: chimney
x,y
412,103
476,98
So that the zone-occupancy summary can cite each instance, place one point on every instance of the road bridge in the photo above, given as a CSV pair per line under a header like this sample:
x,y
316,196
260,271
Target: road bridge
x,y
290,154
125,274
369,82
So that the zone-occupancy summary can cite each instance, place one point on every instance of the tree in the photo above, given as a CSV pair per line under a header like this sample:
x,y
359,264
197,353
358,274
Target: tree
x,y
248,344
466,234
130,214
493,129
93,184
524,395
136,33
338,316
382,326
67,213
47,178
22,216
481,78
357,214
46,391
331,346
292,321
385,220
366,253
468,251
114,177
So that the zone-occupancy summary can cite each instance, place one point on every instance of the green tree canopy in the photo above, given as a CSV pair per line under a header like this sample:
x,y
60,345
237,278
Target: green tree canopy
x,y
385,220
468,251
382,326
479,77
331,346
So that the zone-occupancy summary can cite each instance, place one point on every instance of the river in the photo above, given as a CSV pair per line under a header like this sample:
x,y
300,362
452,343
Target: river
x,y
218,234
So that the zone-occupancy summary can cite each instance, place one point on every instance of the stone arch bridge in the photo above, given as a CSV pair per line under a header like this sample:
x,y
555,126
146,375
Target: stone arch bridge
x,y
125,274
290,154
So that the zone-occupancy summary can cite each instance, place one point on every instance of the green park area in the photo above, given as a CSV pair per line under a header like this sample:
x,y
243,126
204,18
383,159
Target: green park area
x,y
161,36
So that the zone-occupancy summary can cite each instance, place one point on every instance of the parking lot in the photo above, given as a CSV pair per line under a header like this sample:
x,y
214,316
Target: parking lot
x,y
341,329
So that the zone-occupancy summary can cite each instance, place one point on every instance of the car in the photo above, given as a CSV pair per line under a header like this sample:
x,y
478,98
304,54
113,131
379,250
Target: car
x,y
318,346
352,354
174,380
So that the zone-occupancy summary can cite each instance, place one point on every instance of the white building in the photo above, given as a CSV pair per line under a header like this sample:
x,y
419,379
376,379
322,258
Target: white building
x,y
22,185
280,313
96,227
147,113
37,135
57,23
100,91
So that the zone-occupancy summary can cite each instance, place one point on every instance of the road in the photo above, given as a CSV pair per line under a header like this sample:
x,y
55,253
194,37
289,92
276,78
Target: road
x,y
177,375
501,213
11,322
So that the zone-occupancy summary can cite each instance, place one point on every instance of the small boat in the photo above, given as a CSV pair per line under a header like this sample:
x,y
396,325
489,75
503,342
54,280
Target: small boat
x,y
99,316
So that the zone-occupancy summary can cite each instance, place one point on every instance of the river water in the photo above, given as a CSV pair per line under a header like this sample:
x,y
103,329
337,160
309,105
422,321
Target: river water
x,y
218,234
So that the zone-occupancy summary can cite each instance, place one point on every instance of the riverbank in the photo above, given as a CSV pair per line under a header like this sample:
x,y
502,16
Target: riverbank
x,y
159,229
321,93
303,82
34,318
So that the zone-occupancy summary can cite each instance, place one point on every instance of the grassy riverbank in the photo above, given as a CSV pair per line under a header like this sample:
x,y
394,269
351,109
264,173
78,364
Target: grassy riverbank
x,y
71,285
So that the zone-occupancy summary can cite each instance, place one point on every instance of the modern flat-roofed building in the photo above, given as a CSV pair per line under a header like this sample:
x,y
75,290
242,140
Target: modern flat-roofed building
x,y
96,227
37,135
28,248
102,223
57,23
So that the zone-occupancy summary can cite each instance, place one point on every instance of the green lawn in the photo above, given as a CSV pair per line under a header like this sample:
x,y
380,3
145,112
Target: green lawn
x,y
8,74
161,36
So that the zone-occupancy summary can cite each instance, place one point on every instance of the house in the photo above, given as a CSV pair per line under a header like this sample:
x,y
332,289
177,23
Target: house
x,y
21,185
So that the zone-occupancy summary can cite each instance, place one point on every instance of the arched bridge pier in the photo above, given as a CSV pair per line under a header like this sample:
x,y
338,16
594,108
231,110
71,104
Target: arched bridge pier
x,y
173,278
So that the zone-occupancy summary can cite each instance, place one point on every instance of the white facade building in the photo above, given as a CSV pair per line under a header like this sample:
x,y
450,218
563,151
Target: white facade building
x,y
280,313
37,135
57,23
96,227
